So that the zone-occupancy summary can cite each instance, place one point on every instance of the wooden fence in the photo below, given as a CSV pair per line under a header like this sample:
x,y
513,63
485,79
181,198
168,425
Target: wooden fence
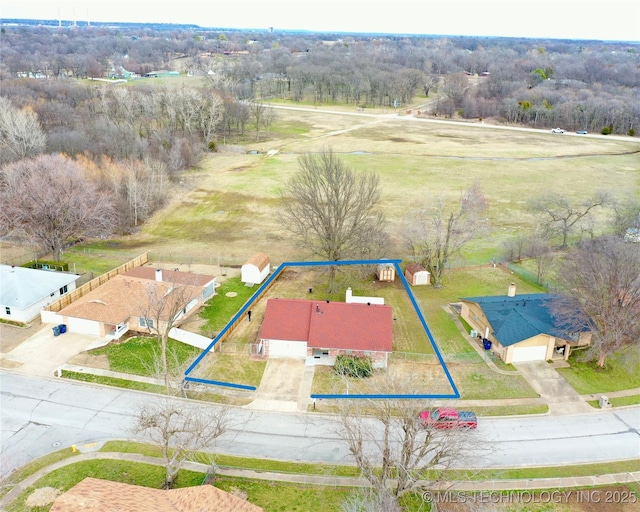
x,y
74,295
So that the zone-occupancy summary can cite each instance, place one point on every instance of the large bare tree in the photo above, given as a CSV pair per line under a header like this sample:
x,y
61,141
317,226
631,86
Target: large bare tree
x,y
50,201
394,451
436,231
21,135
560,216
601,294
332,210
180,429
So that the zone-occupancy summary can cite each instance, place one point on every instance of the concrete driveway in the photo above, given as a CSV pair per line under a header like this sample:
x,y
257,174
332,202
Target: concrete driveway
x,y
552,388
285,386
43,353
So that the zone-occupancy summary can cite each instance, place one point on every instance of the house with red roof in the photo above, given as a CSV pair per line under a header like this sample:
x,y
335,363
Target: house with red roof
x,y
319,331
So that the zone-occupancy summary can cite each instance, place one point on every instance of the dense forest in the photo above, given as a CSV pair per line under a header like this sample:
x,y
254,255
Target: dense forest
x,y
86,91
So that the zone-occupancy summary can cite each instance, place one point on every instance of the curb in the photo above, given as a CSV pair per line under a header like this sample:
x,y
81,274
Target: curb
x,y
332,481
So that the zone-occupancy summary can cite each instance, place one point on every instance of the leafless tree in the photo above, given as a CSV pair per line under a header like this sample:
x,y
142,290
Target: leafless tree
x,y
394,451
209,116
626,214
436,232
166,304
454,87
600,280
50,201
541,253
430,83
514,248
263,115
180,429
561,217
21,135
329,207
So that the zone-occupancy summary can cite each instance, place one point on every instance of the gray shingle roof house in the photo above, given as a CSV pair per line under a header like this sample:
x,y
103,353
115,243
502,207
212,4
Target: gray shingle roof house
x,y
521,327
25,291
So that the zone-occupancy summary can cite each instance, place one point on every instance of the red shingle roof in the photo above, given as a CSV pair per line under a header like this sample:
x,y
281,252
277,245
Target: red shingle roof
x,y
329,325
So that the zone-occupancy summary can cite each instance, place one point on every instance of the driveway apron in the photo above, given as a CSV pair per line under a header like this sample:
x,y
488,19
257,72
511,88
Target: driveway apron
x,y
43,353
552,388
280,386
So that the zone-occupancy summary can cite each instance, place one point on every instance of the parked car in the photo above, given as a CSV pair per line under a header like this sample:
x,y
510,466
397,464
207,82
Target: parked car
x,y
581,132
449,417
557,130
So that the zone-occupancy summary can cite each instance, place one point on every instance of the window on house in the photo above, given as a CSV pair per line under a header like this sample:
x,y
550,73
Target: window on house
x,y
7,310
63,290
146,322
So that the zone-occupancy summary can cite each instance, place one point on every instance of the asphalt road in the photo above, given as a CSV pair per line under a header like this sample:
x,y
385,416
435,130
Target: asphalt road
x,y
42,415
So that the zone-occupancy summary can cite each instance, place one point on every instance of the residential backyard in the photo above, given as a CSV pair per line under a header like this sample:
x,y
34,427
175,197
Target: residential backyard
x,y
413,361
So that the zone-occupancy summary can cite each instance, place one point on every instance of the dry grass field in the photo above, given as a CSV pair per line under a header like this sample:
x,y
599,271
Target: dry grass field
x,y
229,207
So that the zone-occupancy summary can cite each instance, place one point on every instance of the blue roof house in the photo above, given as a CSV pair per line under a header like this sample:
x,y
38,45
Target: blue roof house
x,y
520,328
24,292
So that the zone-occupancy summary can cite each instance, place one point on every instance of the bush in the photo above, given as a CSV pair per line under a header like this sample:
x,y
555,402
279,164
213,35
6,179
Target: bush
x,y
631,132
606,130
353,366
48,265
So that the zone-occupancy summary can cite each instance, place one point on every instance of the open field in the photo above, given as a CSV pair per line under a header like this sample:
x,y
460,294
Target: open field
x,y
228,209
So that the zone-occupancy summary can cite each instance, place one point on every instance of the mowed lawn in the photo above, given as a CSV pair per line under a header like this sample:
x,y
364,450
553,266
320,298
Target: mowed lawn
x,y
413,360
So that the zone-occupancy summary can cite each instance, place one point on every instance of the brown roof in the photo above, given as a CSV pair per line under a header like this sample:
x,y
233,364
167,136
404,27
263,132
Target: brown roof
x,y
170,276
260,260
120,298
413,268
95,495
329,324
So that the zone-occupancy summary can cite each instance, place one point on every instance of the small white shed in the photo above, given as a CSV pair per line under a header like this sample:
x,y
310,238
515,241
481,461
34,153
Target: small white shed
x,y
256,269
417,275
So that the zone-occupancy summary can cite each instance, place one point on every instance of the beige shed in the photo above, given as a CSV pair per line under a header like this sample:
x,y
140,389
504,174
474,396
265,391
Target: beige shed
x,y
386,272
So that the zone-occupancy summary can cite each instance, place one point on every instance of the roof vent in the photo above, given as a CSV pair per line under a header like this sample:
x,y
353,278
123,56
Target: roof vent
x,y
511,292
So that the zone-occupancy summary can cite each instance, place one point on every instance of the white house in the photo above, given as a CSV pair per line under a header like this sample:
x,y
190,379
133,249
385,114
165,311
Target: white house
x,y
256,269
25,291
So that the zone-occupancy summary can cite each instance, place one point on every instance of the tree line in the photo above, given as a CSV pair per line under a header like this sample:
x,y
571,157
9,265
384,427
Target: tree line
x,y
580,85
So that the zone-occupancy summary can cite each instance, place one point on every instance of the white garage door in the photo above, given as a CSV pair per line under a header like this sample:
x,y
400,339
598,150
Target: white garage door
x,y
524,354
279,348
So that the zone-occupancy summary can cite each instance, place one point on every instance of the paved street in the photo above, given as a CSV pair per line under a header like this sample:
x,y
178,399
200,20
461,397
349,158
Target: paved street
x,y
41,415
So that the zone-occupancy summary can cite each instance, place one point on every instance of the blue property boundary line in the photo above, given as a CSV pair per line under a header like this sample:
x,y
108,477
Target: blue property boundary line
x,y
275,275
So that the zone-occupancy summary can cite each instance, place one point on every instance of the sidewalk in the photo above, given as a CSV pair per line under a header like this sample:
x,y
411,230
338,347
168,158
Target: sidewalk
x,y
331,481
